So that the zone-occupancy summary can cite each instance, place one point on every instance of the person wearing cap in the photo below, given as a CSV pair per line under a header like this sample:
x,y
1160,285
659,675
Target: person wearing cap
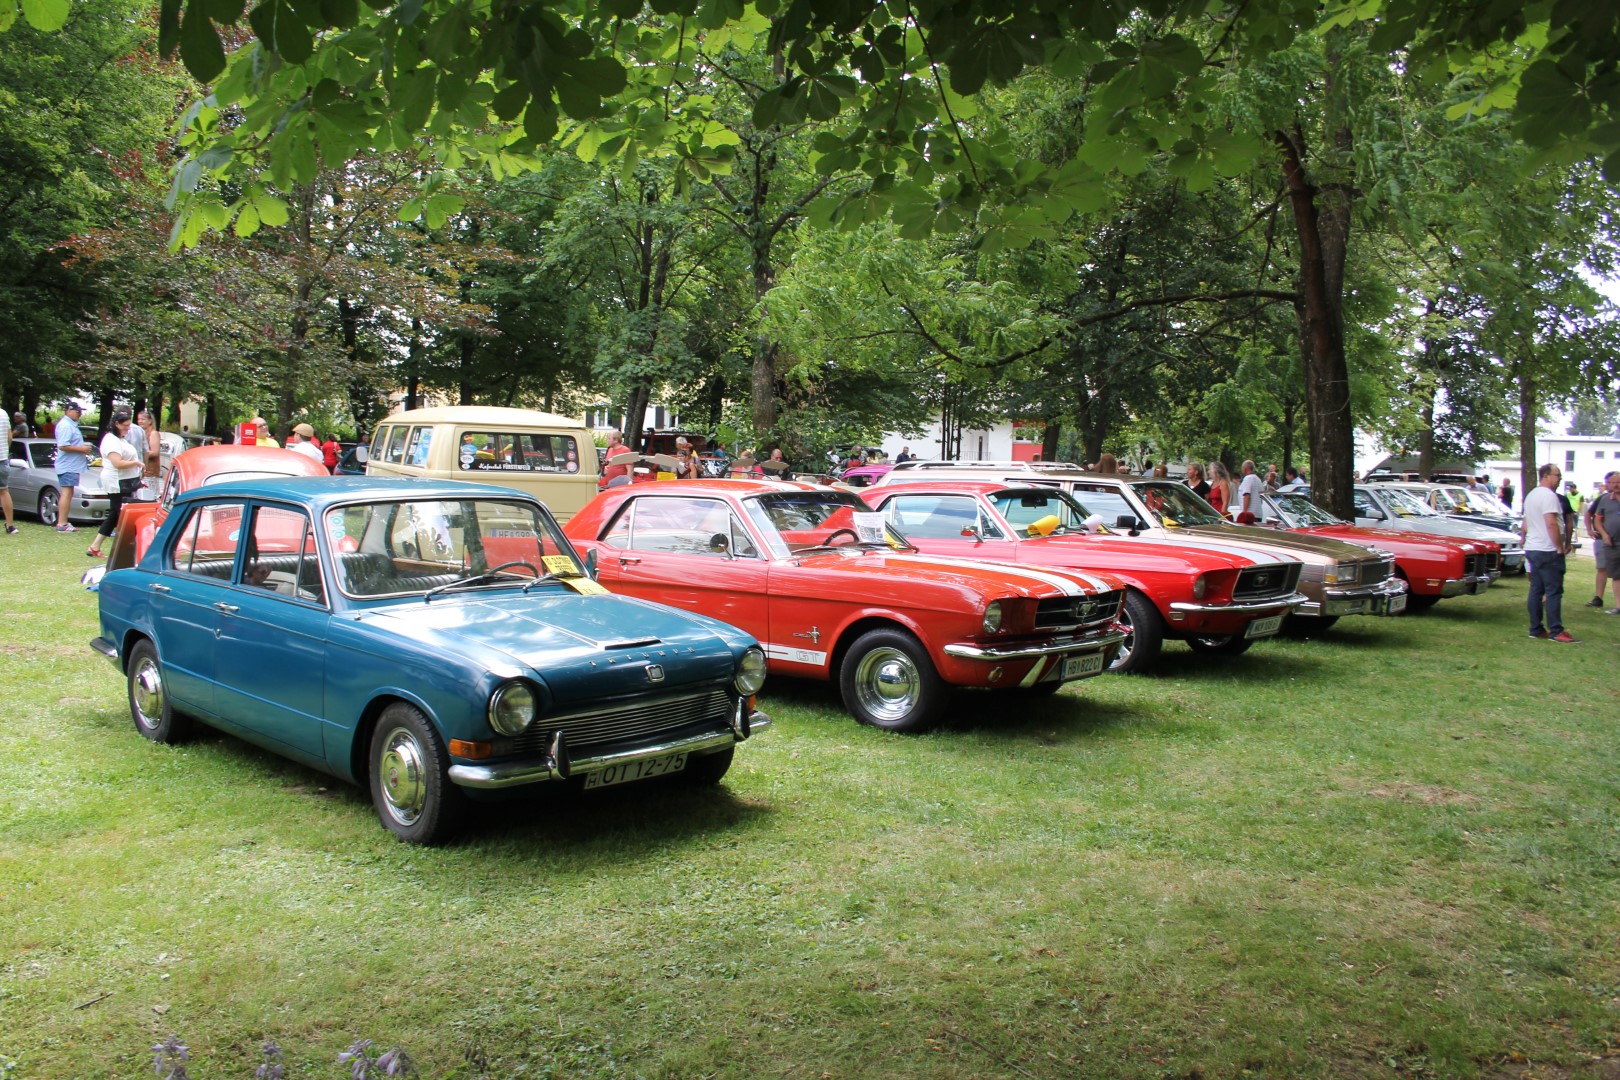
x,y
302,441
72,458
120,475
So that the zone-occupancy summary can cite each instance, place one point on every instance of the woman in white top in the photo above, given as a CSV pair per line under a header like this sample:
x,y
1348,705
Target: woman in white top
x,y
120,474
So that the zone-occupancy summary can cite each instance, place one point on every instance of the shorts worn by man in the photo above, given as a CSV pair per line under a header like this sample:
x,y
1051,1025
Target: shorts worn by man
x,y
1603,524
5,474
1545,546
72,458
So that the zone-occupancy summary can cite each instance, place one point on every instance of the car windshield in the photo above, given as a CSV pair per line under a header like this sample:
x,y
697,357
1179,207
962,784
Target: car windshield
x,y
1040,513
1298,512
1406,504
1483,502
425,546
1176,503
797,521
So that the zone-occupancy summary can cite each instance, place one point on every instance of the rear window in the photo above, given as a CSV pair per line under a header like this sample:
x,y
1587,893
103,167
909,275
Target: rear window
x,y
523,452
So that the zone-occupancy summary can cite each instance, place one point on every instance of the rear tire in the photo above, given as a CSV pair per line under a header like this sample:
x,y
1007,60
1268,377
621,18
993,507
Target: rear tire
x,y
149,706
888,681
49,506
1144,635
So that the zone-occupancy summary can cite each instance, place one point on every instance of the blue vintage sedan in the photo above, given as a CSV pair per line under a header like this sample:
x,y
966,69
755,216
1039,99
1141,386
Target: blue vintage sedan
x,y
433,640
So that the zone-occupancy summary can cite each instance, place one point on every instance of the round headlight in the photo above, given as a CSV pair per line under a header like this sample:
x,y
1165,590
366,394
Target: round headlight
x,y
992,617
750,672
1200,586
511,708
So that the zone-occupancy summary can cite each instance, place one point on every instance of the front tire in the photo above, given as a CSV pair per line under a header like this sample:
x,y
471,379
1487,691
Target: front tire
x,y
149,706
888,681
410,779
49,506
1220,644
1144,635
706,771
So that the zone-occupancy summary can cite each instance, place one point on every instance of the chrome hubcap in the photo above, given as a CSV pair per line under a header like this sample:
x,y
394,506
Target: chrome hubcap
x,y
403,786
1123,656
887,683
146,693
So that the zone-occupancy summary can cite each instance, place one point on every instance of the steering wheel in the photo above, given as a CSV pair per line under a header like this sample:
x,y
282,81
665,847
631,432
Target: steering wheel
x,y
826,541
492,571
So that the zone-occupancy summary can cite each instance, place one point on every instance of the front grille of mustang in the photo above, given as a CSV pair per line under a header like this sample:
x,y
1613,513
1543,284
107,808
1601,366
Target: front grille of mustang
x,y
636,718
1065,612
1267,580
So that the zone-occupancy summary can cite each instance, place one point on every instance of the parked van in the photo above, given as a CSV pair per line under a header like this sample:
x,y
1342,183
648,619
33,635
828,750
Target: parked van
x,y
551,457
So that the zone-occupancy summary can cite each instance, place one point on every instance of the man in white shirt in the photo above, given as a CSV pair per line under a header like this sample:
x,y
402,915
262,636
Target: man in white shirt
x,y
1249,491
1545,545
302,441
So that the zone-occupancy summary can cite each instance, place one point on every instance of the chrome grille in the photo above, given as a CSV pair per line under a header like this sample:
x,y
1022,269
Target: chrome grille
x,y
633,719
1493,561
1267,580
1064,612
1379,572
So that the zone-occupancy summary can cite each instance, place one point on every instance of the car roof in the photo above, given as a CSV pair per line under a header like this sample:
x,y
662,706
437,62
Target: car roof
x,y
482,414
320,492
946,485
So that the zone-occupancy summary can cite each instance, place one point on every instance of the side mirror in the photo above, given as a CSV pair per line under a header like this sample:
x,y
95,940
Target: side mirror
x,y
1127,523
720,545
972,532
362,454
590,564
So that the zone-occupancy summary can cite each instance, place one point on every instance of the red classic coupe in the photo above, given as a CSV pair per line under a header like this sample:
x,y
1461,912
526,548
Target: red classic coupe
x,y
198,467
1217,598
832,593
1432,566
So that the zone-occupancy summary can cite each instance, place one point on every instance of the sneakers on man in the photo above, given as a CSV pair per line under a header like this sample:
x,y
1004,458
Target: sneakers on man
x,y
1596,601
1564,637
1537,635
1613,611
11,530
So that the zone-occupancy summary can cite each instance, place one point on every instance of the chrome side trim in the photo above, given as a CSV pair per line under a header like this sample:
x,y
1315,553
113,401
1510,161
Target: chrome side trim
x,y
1089,643
1292,600
1472,585
107,649
535,771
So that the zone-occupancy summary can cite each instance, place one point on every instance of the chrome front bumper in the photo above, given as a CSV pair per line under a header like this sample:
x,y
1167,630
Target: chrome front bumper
x,y
1292,600
508,774
1091,643
1465,586
1373,600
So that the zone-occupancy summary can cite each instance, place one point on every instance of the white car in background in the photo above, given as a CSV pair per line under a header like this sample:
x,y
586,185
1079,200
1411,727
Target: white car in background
x,y
35,489
1384,506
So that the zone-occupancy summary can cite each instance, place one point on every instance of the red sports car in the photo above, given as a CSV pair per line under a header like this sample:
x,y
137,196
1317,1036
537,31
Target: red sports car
x,y
1217,598
197,467
1432,566
832,593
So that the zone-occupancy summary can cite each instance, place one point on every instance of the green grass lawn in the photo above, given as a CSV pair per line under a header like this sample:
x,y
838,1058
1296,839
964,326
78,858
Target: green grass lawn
x,y
1389,852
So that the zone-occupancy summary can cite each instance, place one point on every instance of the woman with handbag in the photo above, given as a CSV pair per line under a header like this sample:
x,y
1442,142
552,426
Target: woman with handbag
x,y
120,474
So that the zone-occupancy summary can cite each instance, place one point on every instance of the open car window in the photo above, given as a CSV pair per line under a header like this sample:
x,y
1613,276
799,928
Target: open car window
x,y
679,526
793,522
281,554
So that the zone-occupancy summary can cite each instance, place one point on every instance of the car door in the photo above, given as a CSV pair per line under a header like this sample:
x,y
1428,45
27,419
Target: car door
x,y
188,597
690,552
271,662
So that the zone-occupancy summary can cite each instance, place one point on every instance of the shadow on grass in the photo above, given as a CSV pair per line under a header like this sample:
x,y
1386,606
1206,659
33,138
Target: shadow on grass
x,y
554,817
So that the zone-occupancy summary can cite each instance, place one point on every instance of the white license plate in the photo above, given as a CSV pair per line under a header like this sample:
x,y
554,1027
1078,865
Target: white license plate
x,y
1264,627
1397,604
645,769
1078,667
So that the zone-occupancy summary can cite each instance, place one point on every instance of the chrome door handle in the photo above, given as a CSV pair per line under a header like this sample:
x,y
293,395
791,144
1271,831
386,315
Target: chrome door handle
x,y
159,588
229,609
625,561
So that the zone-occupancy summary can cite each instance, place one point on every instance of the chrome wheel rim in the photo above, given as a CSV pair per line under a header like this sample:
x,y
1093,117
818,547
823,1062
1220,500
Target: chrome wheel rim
x,y
48,509
1123,656
399,767
146,693
887,684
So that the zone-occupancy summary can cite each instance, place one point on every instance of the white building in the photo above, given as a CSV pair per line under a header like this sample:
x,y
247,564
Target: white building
x,y
1583,459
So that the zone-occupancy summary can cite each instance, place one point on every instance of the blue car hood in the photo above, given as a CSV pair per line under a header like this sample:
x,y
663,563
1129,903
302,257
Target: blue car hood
x,y
570,643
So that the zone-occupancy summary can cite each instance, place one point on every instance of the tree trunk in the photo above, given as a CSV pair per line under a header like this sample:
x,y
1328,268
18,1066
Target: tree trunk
x,y
1529,410
1426,439
1322,223
1049,440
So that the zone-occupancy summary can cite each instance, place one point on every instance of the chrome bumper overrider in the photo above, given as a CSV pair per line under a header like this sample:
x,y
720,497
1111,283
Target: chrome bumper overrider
x,y
539,770
1090,643
1373,600
1292,600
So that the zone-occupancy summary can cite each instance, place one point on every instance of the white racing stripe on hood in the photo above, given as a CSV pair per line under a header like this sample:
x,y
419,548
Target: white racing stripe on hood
x,y
1063,584
1241,547
1255,558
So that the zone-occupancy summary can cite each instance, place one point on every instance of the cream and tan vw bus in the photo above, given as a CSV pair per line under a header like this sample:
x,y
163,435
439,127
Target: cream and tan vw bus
x,y
551,457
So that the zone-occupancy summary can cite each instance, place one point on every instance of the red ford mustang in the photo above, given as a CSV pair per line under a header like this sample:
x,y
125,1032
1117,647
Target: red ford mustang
x,y
1217,598
832,593
197,467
